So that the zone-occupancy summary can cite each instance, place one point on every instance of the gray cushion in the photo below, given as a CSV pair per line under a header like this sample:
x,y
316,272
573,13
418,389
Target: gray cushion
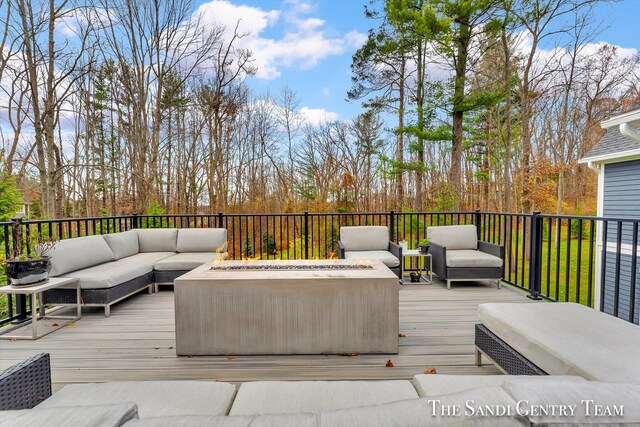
x,y
386,257
284,397
575,394
186,261
365,238
76,254
568,339
202,240
122,244
157,239
434,385
71,416
454,236
427,412
470,258
154,398
147,258
281,420
109,274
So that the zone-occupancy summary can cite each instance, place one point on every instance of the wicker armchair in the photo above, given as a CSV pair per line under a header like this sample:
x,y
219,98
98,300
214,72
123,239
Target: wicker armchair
x,y
370,242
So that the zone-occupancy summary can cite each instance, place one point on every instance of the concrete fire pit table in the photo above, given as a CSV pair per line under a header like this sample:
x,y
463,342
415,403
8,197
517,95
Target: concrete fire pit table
x,y
287,307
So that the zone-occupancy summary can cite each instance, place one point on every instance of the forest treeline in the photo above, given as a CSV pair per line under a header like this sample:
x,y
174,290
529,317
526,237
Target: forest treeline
x,y
111,107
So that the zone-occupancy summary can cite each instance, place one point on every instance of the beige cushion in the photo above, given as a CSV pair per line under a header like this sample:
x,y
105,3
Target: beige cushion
x,y
290,397
568,339
154,398
76,254
71,416
147,258
536,394
454,236
122,244
428,411
108,275
281,420
386,257
365,238
202,240
186,261
434,385
470,258
157,239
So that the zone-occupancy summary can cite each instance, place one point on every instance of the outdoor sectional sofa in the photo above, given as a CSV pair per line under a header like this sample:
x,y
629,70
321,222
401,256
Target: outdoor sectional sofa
x,y
494,400
114,266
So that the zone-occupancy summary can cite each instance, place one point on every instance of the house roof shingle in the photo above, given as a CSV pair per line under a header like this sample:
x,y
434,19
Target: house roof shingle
x,y
612,142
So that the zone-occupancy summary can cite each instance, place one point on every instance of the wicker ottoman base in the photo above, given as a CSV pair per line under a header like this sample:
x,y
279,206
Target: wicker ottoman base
x,y
502,354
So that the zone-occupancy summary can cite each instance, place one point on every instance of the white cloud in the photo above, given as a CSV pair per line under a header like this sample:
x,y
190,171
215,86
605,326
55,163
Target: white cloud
x,y
318,116
304,42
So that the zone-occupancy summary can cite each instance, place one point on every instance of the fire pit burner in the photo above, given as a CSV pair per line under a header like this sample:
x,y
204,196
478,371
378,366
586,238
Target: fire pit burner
x,y
245,267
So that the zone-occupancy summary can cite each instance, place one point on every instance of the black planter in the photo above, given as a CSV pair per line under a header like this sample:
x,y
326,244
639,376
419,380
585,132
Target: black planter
x,y
415,277
28,271
424,248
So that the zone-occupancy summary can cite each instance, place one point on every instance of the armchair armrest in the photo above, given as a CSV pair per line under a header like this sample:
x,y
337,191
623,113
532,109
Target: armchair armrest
x,y
439,259
340,250
26,384
491,249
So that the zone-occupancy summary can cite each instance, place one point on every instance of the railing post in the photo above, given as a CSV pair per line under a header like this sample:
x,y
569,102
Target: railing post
x,y
21,300
134,220
392,226
306,235
220,219
477,221
535,259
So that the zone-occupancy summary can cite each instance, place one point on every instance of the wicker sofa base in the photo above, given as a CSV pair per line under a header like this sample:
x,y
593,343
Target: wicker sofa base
x,y
166,277
26,384
502,354
100,297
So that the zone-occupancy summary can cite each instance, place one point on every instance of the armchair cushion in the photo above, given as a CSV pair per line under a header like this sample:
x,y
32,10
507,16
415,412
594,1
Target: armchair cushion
x,y
365,238
386,257
454,236
202,240
469,258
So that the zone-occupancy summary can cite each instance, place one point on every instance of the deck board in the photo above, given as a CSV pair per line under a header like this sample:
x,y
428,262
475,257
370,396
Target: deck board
x,y
138,343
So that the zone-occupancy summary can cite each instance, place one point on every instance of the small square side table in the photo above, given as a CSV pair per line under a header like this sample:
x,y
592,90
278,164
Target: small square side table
x,y
421,271
36,290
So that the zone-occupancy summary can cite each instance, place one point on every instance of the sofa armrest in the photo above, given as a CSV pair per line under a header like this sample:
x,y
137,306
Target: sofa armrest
x,y
340,250
491,249
439,259
26,384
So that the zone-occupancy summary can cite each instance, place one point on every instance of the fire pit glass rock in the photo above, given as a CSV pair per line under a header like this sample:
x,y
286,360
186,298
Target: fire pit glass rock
x,y
283,266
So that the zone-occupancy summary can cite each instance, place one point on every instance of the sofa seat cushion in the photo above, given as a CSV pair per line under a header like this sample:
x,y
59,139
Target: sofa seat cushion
x,y
122,244
153,398
454,237
147,258
280,420
71,416
583,396
386,257
209,240
431,411
365,238
185,261
434,385
469,258
78,253
290,397
157,239
109,274
568,339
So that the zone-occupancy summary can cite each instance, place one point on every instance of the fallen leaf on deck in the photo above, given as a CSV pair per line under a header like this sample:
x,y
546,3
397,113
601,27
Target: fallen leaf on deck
x,y
348,354
389,364
189,356
54,324
71,323
430,371
232,357
401,335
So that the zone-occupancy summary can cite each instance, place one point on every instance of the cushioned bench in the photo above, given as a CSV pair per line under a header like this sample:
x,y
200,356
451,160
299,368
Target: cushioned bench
x,y
114,266
560,339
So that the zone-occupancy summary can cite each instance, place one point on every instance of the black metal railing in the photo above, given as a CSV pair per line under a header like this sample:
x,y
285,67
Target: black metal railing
x,y
551,257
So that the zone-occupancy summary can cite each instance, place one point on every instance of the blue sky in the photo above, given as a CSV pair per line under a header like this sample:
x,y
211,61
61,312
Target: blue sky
x,y
308,44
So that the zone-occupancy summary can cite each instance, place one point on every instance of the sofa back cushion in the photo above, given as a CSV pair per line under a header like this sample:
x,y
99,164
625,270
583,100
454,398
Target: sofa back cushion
x,y
454,236
202,240
365,238
123,244
95,415
157,239
82,252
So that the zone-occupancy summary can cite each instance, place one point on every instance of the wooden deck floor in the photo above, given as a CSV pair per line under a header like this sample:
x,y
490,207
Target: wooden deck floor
x,y
137,343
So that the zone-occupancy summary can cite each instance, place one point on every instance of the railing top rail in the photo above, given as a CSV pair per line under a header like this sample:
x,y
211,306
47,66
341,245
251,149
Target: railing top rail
x,y
57,220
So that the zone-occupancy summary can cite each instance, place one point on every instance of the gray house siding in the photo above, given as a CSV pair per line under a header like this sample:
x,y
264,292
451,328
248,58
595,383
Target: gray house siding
x,y
621,200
